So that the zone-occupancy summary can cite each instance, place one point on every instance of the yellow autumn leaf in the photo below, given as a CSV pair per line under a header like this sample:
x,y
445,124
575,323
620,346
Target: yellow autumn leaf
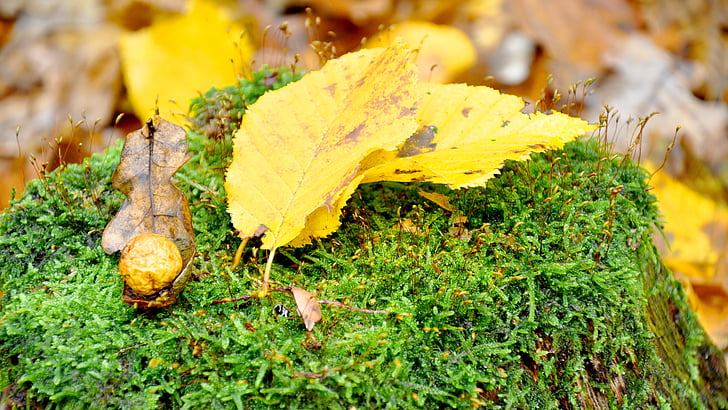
x,y
177,58
695,227
466,134
710,302
325,220
442,52
299,148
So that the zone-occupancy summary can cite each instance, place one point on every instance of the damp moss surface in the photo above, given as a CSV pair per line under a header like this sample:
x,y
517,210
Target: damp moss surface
x,y
539,299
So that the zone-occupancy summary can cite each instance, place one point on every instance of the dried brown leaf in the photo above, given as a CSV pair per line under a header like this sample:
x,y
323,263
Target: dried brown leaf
x,y
149,159
308,307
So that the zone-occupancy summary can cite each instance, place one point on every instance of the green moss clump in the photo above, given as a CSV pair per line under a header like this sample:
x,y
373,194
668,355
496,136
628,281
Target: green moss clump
x,y
544,303
217,113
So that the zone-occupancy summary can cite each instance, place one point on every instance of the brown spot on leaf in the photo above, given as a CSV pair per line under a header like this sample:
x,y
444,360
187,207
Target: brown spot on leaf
x,y
421,178
419,142
262,229
466,111
331,88
354,134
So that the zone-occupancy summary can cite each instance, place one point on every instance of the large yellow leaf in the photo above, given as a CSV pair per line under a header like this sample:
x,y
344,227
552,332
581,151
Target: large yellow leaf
x,y
466,134
299,148
175,59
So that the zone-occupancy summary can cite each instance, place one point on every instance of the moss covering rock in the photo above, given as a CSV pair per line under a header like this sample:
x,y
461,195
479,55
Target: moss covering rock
x,y
550,295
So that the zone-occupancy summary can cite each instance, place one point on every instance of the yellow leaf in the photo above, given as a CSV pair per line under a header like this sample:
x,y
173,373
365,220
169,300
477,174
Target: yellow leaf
x,y
299,148
442,52
175,59
710,302
155,362
441,200
466,134
325,219
695,227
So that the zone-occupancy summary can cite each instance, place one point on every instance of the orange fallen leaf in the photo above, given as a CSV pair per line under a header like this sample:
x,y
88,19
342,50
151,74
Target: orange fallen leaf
x,y
710,302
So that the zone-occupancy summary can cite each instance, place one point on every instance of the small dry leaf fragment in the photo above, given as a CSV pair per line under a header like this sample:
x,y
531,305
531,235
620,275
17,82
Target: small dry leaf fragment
x,y
155,362
149,263
308,307
457,228
441,200
408,226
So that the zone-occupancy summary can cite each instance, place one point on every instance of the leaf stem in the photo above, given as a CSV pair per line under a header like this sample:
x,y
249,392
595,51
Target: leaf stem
x,y
265,287
239,253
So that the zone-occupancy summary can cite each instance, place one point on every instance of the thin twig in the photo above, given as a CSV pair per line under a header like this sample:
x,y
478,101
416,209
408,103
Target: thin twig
x,y
226,300
343,306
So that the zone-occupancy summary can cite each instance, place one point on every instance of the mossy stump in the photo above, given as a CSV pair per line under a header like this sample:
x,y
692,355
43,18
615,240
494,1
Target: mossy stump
x,y
550,295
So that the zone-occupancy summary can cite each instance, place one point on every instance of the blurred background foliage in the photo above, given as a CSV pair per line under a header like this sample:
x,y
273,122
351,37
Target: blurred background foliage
x,y
69,69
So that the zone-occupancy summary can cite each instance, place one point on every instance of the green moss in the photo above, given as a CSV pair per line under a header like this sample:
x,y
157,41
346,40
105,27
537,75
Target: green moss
x,y
546,302
217,113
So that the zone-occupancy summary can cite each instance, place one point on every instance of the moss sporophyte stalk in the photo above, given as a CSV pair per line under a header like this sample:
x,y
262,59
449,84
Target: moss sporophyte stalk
x,y
556,298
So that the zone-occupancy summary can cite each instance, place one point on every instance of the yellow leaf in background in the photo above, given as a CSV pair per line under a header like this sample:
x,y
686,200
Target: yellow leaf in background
x,y
177,58
299,148
466,134
710,302
442,52
695,227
